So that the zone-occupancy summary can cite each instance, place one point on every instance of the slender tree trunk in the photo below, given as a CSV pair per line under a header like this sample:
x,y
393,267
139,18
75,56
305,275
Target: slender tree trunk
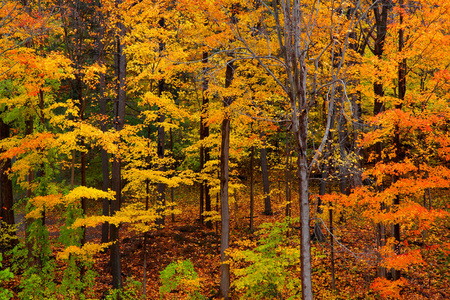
x,y
6,188
119,109
172,189
343,142
252,186
161,187
333,276
205,135
295,60
83,183
381,18
288,175
224,178
202,147
105,177
29,127
397,143
104,153
144,279
265,176
236,208
305,236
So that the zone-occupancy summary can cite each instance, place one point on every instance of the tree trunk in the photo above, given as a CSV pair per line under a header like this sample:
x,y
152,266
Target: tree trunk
x,y
333,277
104,153
381,18
161,187
29,128
116,185
202,136
288,175
305,236
265,176
224,178
205,135
252,186
6,188
297,74
399,155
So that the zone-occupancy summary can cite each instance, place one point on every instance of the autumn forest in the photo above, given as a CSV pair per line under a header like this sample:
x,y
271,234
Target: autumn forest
x,y
224,149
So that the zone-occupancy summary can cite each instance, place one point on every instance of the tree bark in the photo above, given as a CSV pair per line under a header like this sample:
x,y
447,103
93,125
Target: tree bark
x,y
288,176
6,195
103,127
116,185
202,134
224,178
297,73
265,176
399,155
161,187
252,186
381,18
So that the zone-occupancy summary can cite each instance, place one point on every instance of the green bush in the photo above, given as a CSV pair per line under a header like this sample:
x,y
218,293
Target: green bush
x,y
180,276
5,275
271,269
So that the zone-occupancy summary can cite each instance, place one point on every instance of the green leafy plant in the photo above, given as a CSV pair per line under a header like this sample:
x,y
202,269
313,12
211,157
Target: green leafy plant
x,y
180,276
78,277
270,270
5,275
131,291
38,280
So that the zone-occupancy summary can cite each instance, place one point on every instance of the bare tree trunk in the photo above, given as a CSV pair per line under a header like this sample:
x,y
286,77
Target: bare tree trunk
x,y
104,153
381,30
161,187
105,177
224,178
172,189
265,176
399,155
202,134
305,236
297,74
252,186
288,175
206,157
29,127
6,195
119,109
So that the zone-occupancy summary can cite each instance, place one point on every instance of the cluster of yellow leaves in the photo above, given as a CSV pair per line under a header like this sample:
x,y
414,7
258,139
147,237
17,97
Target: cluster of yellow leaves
x,y
86,252
48,202
43,202
140,219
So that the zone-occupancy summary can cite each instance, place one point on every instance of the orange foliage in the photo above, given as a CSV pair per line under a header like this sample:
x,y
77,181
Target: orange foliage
x,y
388,288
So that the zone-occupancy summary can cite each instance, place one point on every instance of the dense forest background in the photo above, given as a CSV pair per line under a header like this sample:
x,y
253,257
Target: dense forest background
x,y
227,149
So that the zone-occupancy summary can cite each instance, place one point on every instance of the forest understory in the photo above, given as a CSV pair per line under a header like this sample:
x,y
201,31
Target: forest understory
x,y
184,238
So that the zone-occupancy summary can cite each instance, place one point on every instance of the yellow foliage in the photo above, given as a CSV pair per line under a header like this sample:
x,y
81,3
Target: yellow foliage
x,y
43,202
88,193
86,252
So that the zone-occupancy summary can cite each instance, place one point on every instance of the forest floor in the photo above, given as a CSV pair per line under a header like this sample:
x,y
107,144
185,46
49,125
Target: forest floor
x,y
185,238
